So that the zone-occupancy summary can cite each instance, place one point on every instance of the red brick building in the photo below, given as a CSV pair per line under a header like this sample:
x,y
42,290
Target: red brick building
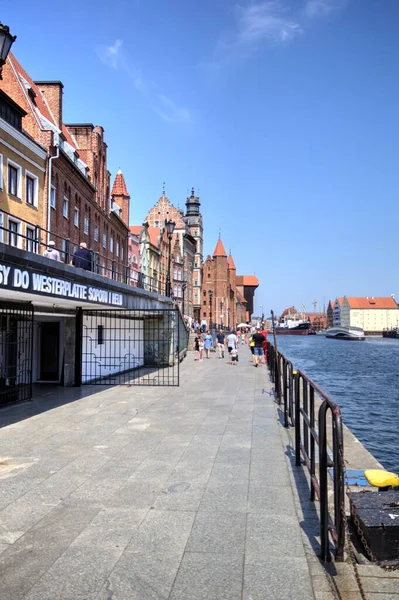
x,y
77,183
223,292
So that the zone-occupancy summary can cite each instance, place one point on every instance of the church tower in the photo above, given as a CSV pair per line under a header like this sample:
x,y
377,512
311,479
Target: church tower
x,y
121,197
193,220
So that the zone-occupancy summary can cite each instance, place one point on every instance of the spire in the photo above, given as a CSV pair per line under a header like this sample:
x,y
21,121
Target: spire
x,y
119,188
163,190
193,204
219,250
230,262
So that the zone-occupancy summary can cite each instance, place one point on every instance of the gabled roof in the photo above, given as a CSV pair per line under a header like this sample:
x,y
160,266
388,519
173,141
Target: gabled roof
x,y
135,229
230,262
249,280
119,188
153,232
371,302
219,250
340,300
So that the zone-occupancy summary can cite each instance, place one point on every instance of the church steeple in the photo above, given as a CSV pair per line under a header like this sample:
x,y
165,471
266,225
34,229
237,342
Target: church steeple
x,y
193,205
120,196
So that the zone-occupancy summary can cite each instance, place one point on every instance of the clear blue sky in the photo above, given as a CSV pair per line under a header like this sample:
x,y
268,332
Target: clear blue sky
x,y
284,114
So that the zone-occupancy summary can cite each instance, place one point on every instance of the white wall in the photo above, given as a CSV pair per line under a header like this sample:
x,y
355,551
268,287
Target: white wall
x,y
123,346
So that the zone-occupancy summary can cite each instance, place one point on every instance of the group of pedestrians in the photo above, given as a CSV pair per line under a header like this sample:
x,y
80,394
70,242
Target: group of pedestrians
x,y
82,257
257,343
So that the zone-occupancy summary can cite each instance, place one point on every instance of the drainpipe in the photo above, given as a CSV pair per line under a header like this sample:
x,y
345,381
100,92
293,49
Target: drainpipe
x,y
50,164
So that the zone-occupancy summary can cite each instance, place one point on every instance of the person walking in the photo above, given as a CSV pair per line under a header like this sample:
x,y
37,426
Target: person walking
x,y
208,339
259,339
197,346
82,257
203,325
234,356
252,347
220,342
264,346
231,342
51,252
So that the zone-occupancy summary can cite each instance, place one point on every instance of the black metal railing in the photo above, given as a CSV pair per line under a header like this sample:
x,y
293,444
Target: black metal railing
x,y
300,398
35,240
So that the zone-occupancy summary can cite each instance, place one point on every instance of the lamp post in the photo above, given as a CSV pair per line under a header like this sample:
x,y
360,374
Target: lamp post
x,y
210,292
170,227
221,314
184,287
228,318
6,41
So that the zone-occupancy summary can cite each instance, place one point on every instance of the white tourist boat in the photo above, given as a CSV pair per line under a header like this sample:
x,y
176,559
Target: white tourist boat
x,y
346,333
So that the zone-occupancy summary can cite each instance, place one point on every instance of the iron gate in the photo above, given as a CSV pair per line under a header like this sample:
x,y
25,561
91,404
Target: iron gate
x,y
128,347
16,351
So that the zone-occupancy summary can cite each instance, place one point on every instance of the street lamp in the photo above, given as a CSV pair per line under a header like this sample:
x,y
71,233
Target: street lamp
x,y
170,227
210,292
184,287
221,313
6,41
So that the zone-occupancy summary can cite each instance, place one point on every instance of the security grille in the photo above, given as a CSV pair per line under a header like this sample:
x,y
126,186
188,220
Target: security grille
x,y
130,347
16,352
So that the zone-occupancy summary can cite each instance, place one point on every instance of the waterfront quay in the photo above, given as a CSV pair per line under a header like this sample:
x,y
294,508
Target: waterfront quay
x,y
139,493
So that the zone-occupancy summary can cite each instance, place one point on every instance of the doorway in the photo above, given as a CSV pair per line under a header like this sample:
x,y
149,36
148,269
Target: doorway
x,y
49,350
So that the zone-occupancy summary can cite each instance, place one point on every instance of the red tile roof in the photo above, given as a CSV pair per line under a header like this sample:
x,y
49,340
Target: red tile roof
x,y
230,262
135,229
119,188
372,302
153,232
219,250
250,280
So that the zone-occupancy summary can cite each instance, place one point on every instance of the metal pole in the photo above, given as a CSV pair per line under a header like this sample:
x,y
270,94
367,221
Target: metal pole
x,y
168,285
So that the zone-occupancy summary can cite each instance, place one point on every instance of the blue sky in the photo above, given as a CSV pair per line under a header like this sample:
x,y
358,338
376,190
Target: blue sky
x,y
282,113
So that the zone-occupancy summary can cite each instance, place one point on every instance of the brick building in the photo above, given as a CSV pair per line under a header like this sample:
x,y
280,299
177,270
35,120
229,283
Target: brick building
x,y
223,293
76,197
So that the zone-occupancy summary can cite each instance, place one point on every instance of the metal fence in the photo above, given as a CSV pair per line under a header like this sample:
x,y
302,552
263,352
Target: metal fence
x,y
16,352
128,347
300,398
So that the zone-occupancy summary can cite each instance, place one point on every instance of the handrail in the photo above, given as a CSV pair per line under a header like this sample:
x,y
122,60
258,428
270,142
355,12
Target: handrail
x,y
299,394
119,271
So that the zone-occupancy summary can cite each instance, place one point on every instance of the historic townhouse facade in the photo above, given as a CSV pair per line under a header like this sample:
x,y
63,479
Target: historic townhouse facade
x,y
77,205
22,180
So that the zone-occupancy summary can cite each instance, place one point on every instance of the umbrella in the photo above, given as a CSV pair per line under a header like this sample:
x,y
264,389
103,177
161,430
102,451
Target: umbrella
x,y
242,325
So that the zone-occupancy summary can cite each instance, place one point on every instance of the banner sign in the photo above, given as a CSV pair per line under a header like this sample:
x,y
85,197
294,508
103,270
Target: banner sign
x,y
25,280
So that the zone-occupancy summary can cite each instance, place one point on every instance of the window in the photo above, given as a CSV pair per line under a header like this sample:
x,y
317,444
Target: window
x,y
31,189
204,294
30,241
65,207
104,240
14,180
76,217
175,291
179,295
156,224
103,269
209,275
117,249
86,226
63,250
13,231
179,275
96,233
52,196
122,253
175,273
1,171
204,314
204,303
134,260
111,244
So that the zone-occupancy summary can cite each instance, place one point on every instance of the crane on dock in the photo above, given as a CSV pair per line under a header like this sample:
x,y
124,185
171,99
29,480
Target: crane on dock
x,y
314,305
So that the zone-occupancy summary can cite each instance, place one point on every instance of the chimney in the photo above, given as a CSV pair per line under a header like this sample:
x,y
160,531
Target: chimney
x,y
52,92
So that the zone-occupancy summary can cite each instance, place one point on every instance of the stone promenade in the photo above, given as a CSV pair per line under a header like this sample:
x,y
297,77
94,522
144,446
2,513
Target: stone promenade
x,y
155,493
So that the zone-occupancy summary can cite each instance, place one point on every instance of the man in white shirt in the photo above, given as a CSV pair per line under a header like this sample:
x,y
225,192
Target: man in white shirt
x,y
231,341
51,252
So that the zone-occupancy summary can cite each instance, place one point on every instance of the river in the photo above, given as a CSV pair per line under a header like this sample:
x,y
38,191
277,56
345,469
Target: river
x,y
362,378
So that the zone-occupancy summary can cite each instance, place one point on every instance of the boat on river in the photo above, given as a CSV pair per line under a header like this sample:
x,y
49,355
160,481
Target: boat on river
x,y
345,333
293,327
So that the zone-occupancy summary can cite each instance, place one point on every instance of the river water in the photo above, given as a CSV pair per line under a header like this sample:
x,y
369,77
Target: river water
x,y
362,378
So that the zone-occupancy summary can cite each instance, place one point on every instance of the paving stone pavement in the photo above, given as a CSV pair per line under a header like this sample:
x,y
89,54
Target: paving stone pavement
x,y
155,493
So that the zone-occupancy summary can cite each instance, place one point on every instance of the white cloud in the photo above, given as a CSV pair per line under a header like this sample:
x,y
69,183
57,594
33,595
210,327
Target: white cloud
x,y
322,8
170,112
265,21
110,55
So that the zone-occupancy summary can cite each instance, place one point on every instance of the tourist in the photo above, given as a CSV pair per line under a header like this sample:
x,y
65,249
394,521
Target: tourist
x,y
252,347
231,341
259,339
51,252
234,356
203,325
82,257
201,348
264,346
208,339
220,342
197,347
